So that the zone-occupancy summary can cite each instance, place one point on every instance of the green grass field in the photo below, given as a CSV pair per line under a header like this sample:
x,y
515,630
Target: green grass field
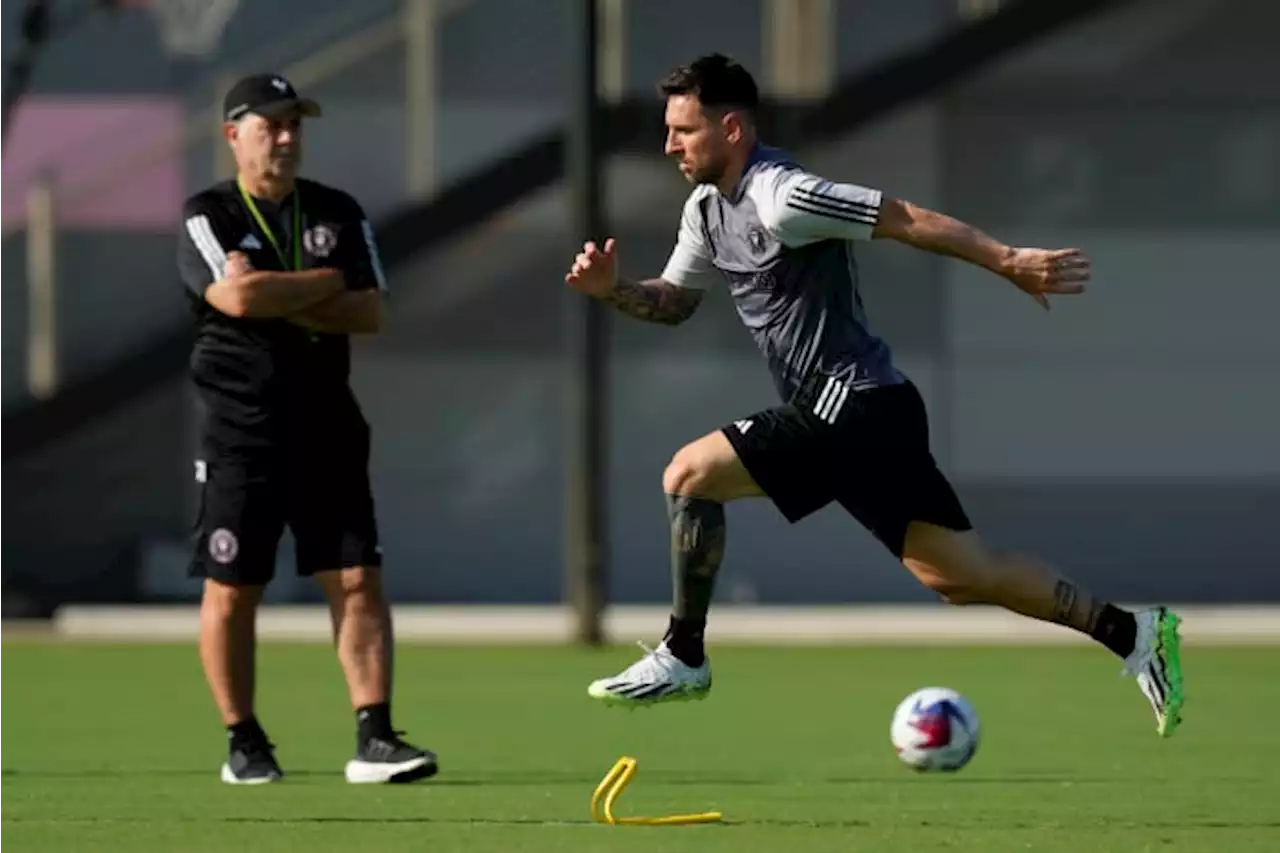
x,y
116,748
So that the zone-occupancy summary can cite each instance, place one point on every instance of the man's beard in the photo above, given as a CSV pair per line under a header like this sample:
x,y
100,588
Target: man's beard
x,y
709,174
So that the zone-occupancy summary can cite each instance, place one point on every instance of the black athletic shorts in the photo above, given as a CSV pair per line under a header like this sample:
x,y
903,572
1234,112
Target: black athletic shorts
x,y
246,498
867,450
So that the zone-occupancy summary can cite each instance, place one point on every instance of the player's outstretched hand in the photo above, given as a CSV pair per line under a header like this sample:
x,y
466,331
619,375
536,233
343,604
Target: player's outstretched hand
x,y
1041,272
595,271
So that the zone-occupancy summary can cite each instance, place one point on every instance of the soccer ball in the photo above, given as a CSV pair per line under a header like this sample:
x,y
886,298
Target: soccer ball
x,y
935,728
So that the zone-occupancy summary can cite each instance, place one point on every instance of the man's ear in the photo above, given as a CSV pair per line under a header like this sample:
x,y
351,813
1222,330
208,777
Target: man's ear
x,y
734,124
730,125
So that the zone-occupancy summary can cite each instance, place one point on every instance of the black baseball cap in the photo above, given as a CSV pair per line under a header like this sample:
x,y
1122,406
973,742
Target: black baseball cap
x,y
265,94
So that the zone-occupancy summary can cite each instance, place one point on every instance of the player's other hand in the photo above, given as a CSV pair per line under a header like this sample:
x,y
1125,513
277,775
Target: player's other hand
x,y
238,264
1041,272
595,270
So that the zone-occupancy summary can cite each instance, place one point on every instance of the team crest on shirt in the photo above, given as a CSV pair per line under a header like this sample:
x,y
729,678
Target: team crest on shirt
x,y
755,237
223,546
319,241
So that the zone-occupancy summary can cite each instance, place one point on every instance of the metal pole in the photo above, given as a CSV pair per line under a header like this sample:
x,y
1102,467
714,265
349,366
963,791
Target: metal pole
x,y
613,49
42,290
224,162
799,48
586,547
420,97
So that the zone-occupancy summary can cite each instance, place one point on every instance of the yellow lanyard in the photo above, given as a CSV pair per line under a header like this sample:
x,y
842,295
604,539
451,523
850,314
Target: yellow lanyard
x,y
266,229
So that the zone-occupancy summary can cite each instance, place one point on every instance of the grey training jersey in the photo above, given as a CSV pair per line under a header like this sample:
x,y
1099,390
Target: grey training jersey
x,y
783,240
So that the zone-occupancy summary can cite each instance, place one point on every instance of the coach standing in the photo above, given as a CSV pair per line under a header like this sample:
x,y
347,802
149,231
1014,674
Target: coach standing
x,y
280,271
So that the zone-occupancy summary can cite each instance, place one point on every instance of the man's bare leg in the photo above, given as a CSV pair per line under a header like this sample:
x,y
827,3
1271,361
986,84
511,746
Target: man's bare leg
x,y
361,631
228,655
363,636
227,643
957,566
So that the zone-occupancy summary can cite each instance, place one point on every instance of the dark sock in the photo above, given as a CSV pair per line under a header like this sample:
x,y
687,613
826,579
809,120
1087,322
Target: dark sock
x,y
1116,629
374,721
684,639
246,732
697,547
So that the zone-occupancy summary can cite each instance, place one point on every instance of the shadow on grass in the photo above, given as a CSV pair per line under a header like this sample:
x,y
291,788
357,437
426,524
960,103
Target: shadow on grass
x,y
516,780
727,824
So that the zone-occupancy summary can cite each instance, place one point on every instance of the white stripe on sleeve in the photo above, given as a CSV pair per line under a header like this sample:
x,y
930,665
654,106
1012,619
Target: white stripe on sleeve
x,y
800,207
374,260
201,233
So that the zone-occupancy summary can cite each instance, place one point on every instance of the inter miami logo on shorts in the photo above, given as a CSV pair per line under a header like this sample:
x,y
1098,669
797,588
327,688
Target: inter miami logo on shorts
x,y
223,546
319,241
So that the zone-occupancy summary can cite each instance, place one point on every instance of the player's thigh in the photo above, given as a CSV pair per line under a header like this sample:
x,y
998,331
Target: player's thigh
x,y
239,520
332,515
709,468
782,453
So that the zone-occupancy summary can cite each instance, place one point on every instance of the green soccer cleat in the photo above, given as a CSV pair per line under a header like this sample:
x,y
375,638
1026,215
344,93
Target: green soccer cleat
x,y
1157,665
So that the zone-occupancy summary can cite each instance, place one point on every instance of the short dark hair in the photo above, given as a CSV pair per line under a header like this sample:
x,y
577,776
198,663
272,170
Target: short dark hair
x,y
718,81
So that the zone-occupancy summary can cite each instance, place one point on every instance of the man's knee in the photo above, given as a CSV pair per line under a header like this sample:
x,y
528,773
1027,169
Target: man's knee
x,y
357,584
708,468
228,601
688,473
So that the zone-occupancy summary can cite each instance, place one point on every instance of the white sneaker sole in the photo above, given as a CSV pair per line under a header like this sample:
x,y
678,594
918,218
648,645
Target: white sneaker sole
x,y
231,778
379,773
689,693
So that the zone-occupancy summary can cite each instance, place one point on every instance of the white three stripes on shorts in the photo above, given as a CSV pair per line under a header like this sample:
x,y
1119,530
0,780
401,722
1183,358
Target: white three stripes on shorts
x,y
832,398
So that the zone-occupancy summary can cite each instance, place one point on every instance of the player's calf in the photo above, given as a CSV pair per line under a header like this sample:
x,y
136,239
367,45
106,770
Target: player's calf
x,y
955,565
958,567
700,478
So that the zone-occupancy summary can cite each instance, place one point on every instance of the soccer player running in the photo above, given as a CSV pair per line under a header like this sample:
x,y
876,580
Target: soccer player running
x,y
852,428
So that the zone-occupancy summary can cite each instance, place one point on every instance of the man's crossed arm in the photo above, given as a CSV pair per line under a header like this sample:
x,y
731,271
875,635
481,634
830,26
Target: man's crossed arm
x,y
314,299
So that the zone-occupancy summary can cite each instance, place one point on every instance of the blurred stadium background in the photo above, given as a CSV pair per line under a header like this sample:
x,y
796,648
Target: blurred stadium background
x,y
1132,436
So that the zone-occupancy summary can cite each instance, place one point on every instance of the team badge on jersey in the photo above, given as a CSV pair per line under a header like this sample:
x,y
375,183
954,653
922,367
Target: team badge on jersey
x,y
756,238
319,241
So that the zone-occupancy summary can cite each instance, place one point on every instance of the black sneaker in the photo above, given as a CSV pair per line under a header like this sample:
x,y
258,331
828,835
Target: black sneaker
x,y
252,764
380,760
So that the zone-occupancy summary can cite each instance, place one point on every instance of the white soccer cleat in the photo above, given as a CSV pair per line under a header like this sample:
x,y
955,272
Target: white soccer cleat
x,y
1156,664
659,676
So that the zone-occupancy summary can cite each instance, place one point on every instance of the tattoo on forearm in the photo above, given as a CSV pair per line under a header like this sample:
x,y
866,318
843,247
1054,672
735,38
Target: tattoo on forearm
x,y
655,300
1072,609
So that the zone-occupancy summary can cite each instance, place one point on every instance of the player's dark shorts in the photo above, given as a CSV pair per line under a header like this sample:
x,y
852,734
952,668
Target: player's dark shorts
x,y
867,450
247,498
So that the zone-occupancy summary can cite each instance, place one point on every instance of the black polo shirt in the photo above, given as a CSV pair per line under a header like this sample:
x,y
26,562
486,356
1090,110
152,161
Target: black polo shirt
x,y
263,381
